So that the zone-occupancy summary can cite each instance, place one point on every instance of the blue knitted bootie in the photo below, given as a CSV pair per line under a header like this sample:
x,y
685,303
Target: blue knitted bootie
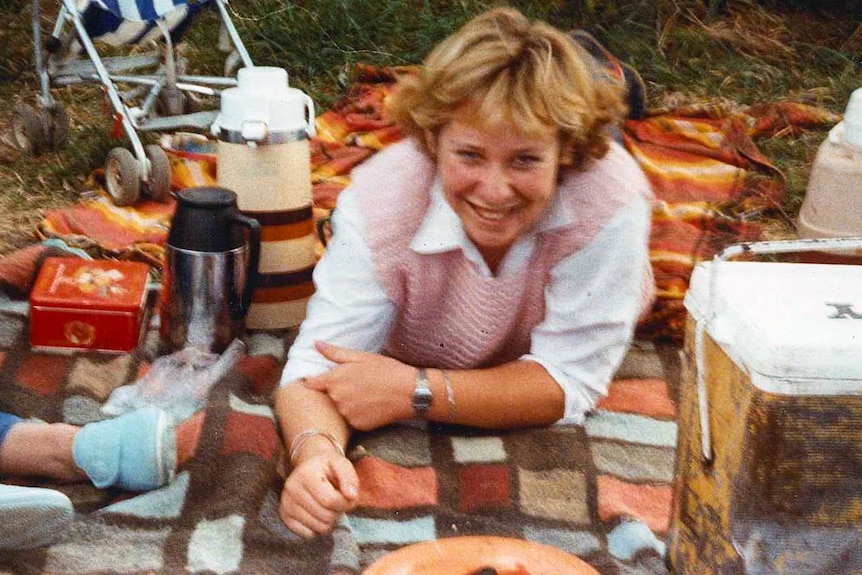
x,y
32,517
135,451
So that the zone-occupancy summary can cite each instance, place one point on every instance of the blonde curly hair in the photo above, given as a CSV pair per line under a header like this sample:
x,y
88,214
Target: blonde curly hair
x,y
511,69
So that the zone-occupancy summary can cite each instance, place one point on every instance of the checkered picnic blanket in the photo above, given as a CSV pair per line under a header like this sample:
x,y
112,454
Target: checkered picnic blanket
x,y
600,491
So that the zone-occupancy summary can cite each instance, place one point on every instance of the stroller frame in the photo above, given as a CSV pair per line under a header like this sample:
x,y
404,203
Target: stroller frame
x,y
146,168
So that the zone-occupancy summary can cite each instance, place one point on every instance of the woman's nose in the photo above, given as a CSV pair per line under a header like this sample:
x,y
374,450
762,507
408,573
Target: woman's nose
x,y
495,183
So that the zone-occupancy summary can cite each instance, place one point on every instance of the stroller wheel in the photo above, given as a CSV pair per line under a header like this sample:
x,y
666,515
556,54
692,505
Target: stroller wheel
x,y
27,130
57,128
122,177
158,186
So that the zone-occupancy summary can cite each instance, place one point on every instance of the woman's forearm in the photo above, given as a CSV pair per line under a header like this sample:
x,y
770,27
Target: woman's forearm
x,y
299,410
516,394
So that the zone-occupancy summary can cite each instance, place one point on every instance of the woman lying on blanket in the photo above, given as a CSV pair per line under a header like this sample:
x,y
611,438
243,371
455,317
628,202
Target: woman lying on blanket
x,y
136,451
487,271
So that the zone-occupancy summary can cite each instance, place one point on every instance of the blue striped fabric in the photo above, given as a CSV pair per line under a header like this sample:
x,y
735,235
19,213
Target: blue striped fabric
x,y
140,10
129,22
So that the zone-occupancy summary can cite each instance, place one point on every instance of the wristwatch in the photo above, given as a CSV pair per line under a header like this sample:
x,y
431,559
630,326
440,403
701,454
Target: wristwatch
x,y
422,395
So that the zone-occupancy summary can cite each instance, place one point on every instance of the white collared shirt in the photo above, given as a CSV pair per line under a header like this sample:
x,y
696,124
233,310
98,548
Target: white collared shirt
x,y
591,301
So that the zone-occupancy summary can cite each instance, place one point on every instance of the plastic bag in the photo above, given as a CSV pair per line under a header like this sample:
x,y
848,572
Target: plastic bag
x,y
179,383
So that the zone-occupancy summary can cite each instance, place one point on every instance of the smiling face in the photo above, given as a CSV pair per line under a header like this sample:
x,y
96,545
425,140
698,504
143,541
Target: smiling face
x,y
498,180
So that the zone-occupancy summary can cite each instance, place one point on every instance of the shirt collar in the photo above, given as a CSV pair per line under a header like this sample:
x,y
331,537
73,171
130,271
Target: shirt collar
x,y
441,229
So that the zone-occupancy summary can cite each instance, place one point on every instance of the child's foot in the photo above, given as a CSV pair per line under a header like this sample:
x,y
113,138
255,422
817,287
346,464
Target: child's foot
x,y
136,451
31,516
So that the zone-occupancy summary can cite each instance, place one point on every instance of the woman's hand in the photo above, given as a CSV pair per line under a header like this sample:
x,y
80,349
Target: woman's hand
x,y
317,492
368,389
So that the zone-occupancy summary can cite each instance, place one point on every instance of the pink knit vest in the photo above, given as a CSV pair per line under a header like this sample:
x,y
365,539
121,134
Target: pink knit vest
x,y
449,315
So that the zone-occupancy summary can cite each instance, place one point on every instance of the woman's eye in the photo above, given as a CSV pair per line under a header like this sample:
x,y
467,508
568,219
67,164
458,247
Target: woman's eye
x,y
526,161
468,155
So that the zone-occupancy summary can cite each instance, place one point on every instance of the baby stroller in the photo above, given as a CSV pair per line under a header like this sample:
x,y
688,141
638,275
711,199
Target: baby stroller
x,y
157,93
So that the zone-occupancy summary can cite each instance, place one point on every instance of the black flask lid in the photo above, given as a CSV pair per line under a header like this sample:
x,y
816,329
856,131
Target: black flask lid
x,y
205,220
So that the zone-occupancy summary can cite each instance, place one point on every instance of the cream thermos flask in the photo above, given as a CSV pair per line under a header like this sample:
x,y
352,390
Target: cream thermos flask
x,y
263,156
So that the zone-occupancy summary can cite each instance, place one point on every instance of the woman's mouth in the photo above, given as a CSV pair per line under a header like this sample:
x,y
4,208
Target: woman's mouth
x,y
492,214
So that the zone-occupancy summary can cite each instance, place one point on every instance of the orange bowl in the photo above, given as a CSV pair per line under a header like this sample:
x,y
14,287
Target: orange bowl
x,y
472,555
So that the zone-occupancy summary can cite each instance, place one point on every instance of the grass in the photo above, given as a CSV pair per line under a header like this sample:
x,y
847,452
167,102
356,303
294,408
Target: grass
x,y
749,52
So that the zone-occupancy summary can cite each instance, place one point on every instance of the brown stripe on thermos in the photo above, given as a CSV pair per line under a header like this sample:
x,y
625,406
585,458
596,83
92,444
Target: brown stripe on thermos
x,y
283,293
284,225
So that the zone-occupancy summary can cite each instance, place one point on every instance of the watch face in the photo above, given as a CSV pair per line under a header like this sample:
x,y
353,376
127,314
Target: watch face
x,y
422,399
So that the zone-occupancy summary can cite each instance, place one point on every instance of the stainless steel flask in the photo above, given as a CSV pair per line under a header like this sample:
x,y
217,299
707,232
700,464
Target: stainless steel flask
x,y
211,270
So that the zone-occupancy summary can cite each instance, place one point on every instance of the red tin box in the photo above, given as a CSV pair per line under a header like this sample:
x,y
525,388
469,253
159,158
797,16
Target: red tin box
x,y
88,304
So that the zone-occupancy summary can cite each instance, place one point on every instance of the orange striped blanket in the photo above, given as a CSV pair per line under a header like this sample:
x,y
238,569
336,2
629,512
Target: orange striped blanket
x,y
713,185
713,188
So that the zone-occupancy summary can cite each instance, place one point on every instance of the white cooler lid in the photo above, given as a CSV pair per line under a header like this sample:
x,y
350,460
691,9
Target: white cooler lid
x,y
776,322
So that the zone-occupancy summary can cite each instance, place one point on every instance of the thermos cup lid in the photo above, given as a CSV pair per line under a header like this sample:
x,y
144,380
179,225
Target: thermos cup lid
x,y
262,96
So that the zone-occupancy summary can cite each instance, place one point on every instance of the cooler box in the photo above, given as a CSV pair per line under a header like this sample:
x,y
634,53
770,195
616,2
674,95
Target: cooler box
x,y
769,460
88,304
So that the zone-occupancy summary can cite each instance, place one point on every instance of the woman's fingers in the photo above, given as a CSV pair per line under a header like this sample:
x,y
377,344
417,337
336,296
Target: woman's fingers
x,y
311,524
316,495
299,508
338,490
339,354
296,526
315,383
347,482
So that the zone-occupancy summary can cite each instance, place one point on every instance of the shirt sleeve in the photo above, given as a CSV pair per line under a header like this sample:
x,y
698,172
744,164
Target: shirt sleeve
x,y
350,307
592,304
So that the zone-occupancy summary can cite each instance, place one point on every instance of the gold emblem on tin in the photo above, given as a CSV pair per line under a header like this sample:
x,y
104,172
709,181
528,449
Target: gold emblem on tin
x,y
79,333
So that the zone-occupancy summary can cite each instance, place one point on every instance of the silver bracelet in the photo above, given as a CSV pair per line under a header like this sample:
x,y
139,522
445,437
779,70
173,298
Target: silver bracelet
x,y
299,441
450,395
